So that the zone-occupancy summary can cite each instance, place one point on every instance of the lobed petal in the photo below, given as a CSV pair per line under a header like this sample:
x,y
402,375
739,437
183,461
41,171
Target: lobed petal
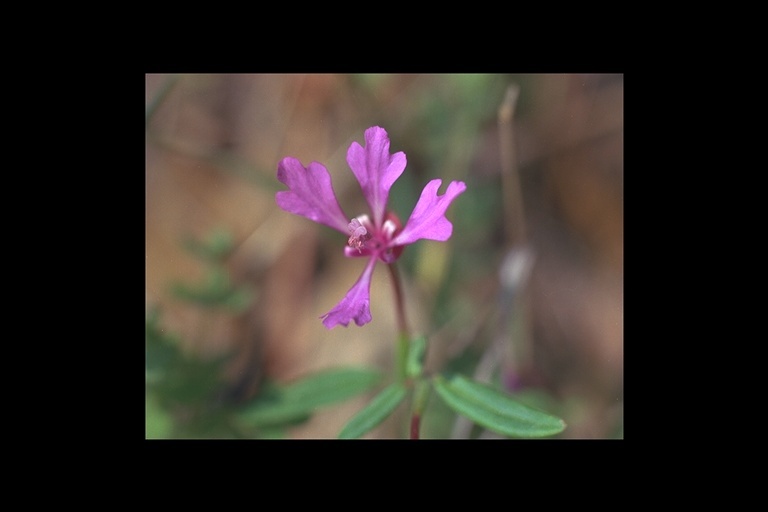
x,y
311,193
428,220
356,303
375,169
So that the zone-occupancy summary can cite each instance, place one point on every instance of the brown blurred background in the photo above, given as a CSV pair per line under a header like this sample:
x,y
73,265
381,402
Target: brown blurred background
x,y
212,147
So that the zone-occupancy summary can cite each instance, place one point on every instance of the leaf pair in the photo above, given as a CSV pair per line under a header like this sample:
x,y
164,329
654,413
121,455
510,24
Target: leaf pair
x,y
482,404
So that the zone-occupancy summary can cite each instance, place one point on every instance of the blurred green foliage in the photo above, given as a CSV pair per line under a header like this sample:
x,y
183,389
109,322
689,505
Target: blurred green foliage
x,y
216,291
181,389
439,123
186,393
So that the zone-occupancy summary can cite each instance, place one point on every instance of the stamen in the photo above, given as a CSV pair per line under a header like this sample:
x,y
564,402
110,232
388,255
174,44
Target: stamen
x,y
359,236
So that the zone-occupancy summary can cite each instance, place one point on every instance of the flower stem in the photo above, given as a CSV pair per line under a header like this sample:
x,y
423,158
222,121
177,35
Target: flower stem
x,y
420,395
415,426
402,324
403,336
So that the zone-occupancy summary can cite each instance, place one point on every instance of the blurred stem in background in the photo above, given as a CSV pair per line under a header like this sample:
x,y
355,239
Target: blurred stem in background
x,y
514,211
513,328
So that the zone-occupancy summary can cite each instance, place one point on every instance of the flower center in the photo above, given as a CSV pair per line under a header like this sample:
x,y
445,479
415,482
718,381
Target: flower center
x,y
360,234
364,235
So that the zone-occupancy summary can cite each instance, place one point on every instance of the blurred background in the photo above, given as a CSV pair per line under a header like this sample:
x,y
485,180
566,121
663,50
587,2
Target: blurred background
x,y
527,294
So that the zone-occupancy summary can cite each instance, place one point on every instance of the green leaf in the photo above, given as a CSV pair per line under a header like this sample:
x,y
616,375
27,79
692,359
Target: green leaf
x,y
216,291
295,401
215,247
375,412
415,362
238,301
161,347
331,386
495,410
274,415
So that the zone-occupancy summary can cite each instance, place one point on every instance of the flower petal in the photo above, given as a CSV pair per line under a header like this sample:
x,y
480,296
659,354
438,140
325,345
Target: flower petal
x,y
375,169
351,252
428,218
356,304
311,193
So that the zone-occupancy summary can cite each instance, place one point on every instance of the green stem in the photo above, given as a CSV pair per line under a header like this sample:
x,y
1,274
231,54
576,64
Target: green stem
x,y
420,395
403,336
402,357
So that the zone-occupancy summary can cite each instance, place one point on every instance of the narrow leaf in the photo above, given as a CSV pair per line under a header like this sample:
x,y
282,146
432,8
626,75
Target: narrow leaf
x,y
494,410
331,386
375,412
293,402
268,413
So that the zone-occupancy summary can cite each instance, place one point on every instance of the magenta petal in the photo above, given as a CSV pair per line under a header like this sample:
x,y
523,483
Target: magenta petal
x,y
428,218
356,304
351,252
375,169
311,193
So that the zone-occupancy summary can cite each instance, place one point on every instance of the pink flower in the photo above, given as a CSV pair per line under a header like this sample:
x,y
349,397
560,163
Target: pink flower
x,y
378,236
